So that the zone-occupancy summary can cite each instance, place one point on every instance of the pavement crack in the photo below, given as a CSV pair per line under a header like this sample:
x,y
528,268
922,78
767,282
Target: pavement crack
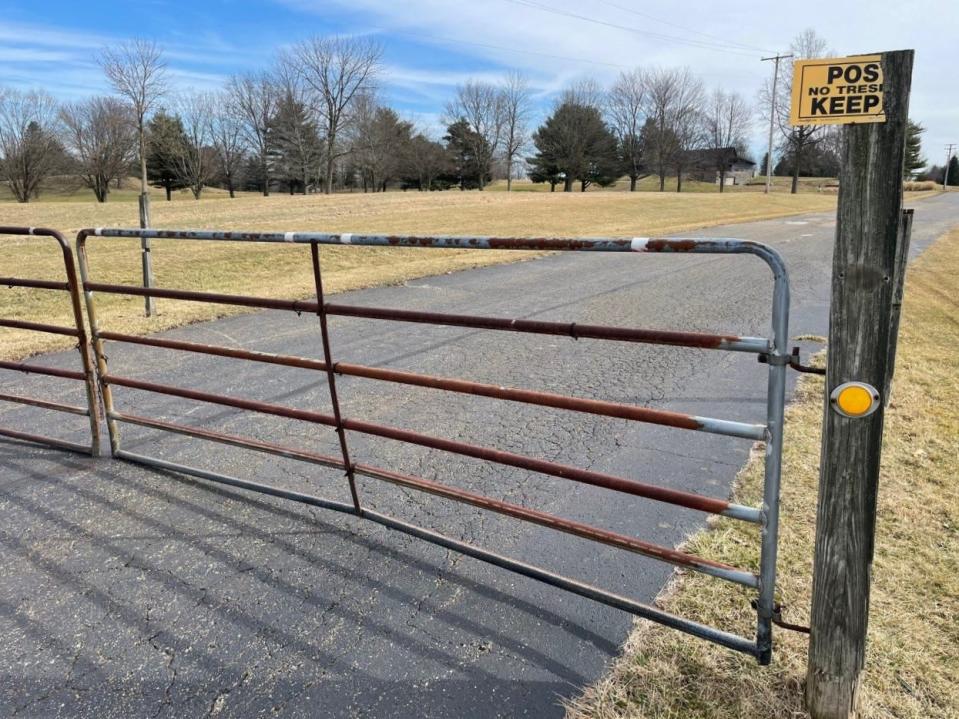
x,y
219,701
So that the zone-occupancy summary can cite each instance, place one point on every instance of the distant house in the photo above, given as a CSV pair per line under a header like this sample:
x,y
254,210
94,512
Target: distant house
x,y
704,165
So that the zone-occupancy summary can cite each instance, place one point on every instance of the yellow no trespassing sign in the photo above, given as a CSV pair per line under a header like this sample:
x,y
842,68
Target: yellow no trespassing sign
x,y
839,90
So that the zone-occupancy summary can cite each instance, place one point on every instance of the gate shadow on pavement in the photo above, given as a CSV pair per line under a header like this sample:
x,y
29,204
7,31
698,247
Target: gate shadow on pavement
x,y
87,484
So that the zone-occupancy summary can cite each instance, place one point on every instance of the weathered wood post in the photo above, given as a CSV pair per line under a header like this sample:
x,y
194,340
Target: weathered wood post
x,y
864,263
898,286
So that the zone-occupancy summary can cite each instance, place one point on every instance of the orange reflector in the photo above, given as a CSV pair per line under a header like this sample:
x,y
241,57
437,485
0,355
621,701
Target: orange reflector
x,y
855,399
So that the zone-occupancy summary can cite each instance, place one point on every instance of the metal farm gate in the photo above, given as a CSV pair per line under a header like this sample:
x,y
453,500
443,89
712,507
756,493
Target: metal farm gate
x,y
72,288
772,350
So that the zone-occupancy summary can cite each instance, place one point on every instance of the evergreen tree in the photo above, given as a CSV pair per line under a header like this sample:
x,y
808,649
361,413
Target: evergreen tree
x,y
576,144
954,171
295,149
461,143
167,139
380,140
914,158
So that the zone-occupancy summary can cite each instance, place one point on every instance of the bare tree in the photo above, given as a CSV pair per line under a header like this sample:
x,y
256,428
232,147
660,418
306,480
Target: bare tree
x,y
380,141
660,136
727,119
425,160
101,136
515,105
586,92
226,134
29,148
196,162
625,107
673,128
254,98
795,139
480,105
136,71
334,70
687,121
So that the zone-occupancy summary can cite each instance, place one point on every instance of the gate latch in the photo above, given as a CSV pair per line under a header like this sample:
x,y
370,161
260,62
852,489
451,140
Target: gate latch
x,y
793,361
777,618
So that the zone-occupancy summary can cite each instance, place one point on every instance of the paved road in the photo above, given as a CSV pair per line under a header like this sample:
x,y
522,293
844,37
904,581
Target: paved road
x,y
127,593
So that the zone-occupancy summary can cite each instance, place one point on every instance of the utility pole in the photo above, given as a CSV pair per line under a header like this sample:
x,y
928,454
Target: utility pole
x,y
870,227
945,178
772,117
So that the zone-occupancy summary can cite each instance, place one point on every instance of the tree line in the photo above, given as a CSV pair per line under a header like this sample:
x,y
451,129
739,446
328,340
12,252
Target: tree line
x,y
315,122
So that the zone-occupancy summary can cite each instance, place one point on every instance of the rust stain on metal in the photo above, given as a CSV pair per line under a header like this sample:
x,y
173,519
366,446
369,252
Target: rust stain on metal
x,y
671,245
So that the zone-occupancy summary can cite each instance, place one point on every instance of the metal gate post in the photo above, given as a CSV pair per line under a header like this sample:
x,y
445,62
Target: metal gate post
x,y
83,347
778,360
97,344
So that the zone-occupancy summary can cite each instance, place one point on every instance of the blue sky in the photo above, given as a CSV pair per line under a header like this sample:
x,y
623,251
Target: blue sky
x,y
431,45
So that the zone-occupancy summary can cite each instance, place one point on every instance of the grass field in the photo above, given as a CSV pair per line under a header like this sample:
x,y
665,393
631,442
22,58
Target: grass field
x,y
271,270
913,650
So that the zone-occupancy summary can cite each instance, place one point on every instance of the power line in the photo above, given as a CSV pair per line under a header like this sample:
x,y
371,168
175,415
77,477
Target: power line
x,y
682,27
669,38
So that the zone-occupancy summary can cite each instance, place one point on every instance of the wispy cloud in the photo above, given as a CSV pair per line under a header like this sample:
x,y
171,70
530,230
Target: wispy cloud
x,y
433,45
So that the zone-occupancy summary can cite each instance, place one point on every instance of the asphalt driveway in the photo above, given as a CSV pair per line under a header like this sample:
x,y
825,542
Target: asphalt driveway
x,y
127,592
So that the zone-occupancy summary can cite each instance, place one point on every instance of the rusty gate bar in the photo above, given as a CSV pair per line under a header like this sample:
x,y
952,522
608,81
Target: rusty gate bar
x,y
597,479
545,399
673,419
613,539
773,351
646,611
757,345
78,331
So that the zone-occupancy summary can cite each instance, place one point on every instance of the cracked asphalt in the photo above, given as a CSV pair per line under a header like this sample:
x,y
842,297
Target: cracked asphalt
x,y
129,592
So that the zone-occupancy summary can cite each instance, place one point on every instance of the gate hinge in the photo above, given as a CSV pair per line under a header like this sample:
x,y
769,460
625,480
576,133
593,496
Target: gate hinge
x,y
792,360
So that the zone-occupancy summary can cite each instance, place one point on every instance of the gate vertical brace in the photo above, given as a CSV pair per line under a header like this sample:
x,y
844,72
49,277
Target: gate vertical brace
x,y
775,410
331,375
868,222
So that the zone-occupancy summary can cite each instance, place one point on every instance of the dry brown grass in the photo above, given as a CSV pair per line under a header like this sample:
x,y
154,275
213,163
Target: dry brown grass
x,y
913,650
271,270
920,186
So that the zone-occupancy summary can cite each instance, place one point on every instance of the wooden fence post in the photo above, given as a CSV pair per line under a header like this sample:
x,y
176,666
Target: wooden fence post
x,y
864,261
898,286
